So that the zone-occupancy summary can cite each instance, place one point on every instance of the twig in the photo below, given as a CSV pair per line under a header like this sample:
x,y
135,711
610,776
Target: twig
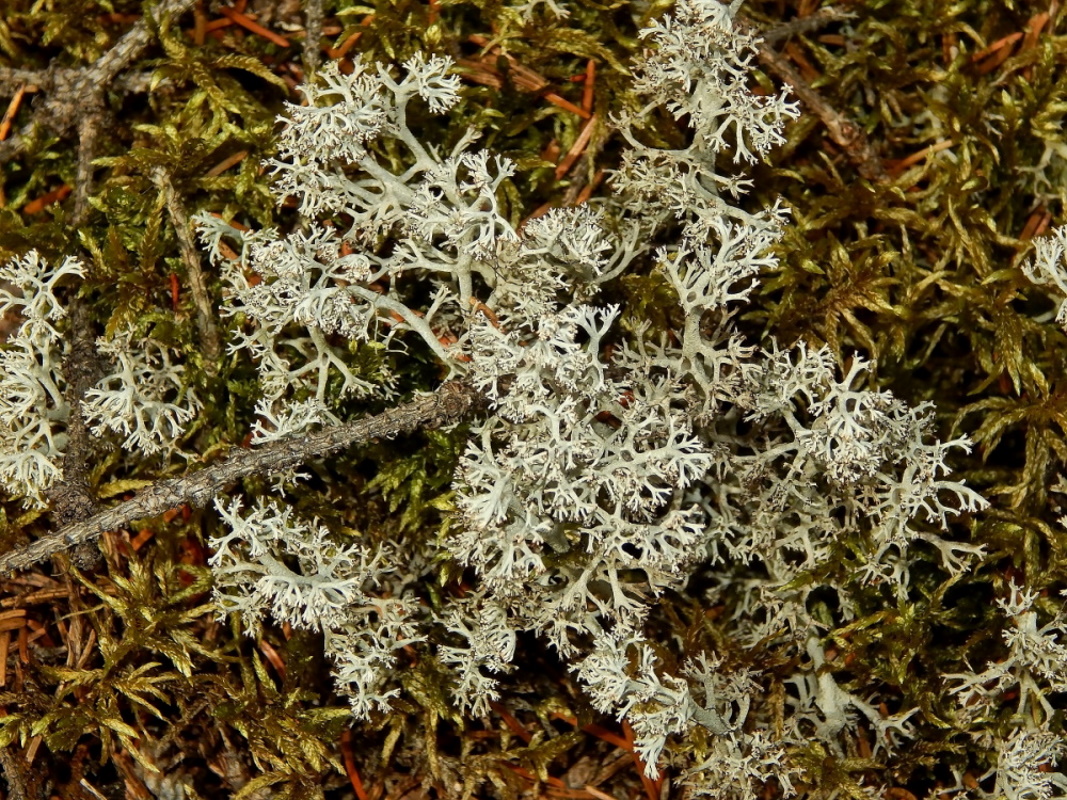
x,y
71,498
313,35
452,402
75,97
88,128
802,25
12,79
205,315
135,40
139,82
11,148
15,775
846,134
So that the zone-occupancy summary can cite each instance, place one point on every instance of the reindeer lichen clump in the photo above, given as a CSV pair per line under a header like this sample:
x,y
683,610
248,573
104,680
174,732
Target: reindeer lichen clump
x,y
612,462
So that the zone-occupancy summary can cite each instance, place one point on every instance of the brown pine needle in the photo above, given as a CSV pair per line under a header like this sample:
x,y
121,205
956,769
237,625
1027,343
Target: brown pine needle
x,y
486,312
45,200
350,765
996,54
226,163
1036,224
142,538
199,24
40,596
13,620
587,89
577,148
1034,28
273,657
806,68
217,24
652,786
589,188
346,45
540,211
551,780
596,730
12,110
483,70
901,165
998,45
566,105
232,223
513,724
252,26
24,650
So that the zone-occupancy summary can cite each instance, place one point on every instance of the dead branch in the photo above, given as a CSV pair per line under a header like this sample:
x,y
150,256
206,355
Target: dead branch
x,y
71,498
802,25
205,314
74,97
313,35
845,133
452,402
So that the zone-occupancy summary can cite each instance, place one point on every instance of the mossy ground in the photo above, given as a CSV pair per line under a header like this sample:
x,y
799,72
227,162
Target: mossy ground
x,y
116,679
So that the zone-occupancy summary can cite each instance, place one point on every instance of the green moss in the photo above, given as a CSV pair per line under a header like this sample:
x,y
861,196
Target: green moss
x,y
920,274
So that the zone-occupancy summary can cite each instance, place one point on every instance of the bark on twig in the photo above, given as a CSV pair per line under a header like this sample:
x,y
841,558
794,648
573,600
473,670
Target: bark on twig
x,y
801,25
88,128
845,133
71,498
313,35
74,97
205,314
453,402
17,774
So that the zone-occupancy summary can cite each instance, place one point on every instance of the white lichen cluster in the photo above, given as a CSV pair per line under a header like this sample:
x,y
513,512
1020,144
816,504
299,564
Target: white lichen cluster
x,y
141,396
612,462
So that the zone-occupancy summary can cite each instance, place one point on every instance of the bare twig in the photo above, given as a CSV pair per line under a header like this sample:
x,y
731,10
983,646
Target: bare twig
x,y
205,314
88,127
133,43
12,79
802,25
845,133
71,498
75,97
15,773
453,402
313,35
69,89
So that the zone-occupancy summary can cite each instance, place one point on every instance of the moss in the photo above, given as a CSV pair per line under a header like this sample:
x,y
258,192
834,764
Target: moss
x,y
919,273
